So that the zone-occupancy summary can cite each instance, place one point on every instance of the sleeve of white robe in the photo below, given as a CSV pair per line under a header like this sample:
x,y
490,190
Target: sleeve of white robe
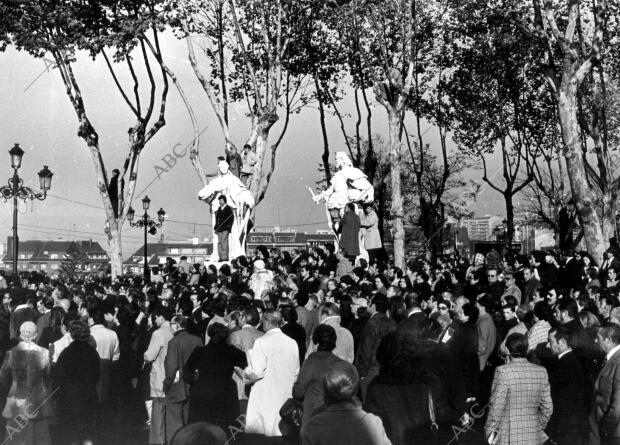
x,y
258,361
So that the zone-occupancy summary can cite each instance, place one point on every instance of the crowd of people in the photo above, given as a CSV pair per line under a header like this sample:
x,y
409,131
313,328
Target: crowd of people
x,y
292,347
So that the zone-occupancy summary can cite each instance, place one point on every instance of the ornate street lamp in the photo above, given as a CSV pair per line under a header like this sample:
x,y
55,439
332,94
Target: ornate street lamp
x,y
16,189
150,226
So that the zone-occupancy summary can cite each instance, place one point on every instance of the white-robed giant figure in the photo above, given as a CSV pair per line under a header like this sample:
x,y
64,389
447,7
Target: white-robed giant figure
x,y
348,184
239,198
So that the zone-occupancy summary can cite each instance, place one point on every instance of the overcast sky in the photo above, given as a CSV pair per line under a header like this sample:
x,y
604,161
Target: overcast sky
x,y
35,111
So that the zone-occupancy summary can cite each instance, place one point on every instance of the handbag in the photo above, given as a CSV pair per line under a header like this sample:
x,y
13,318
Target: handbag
x,y
292,412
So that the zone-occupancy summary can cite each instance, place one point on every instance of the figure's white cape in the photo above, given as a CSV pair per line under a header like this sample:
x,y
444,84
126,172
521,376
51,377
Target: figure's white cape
x,y
348,185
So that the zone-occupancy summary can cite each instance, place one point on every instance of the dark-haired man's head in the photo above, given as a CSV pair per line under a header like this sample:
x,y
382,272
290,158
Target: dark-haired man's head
x,y
179,322
516,344
509,311
412,301
358,273
301,298
251,316
218,333
606,303
340,383
289,314
485,303
542,311
218,306
324,336
559,340
327,310
163,314
79,331
379,304
95,314
528,273
565,310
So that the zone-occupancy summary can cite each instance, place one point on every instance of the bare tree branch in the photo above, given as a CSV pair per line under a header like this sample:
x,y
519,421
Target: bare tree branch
x,y
119,86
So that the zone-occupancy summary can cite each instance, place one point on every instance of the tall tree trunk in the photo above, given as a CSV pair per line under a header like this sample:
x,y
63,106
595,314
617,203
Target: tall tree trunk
x,y
583,195
115,249
325,155
609,215
510,219
396,212
113,224
262,127
380,197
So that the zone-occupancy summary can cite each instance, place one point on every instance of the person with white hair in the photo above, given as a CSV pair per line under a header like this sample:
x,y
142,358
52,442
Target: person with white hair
x,y
26,369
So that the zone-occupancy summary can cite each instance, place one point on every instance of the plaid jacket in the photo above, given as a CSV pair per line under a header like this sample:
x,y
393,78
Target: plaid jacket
x,y
538,334
520,405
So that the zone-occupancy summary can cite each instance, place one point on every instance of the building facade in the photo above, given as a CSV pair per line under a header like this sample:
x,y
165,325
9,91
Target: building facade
x,y
287,240
48,256
196,252
480,228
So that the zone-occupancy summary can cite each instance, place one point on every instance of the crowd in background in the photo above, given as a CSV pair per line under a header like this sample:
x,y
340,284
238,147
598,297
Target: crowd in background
x,y
506,348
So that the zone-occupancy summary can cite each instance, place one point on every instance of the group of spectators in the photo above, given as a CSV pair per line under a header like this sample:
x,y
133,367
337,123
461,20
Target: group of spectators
x,y
511,349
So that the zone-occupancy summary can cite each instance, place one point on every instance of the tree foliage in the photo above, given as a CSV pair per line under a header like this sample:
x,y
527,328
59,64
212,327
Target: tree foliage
x,y
128,29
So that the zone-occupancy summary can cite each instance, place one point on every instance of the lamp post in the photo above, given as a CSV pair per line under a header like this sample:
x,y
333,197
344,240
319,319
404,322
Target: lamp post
x,y
150,226
17,190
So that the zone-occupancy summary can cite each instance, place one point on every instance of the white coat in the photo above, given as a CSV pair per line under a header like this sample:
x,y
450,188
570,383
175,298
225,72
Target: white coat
x,y
275,360
156,353
370,226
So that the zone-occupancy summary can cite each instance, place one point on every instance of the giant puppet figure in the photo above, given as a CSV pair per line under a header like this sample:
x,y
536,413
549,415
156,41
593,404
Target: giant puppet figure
x,y
348,184
239,198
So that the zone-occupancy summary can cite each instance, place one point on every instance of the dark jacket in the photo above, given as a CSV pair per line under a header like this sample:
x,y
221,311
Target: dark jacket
x,y
605,413
549,274
377,327
464,348
344,423
568,421
578,337
416,320
5,333
297,333
308,286
43,322
76,375
213,393
403,406
437,359
349,230
571,273
224,219
309,384
180,348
